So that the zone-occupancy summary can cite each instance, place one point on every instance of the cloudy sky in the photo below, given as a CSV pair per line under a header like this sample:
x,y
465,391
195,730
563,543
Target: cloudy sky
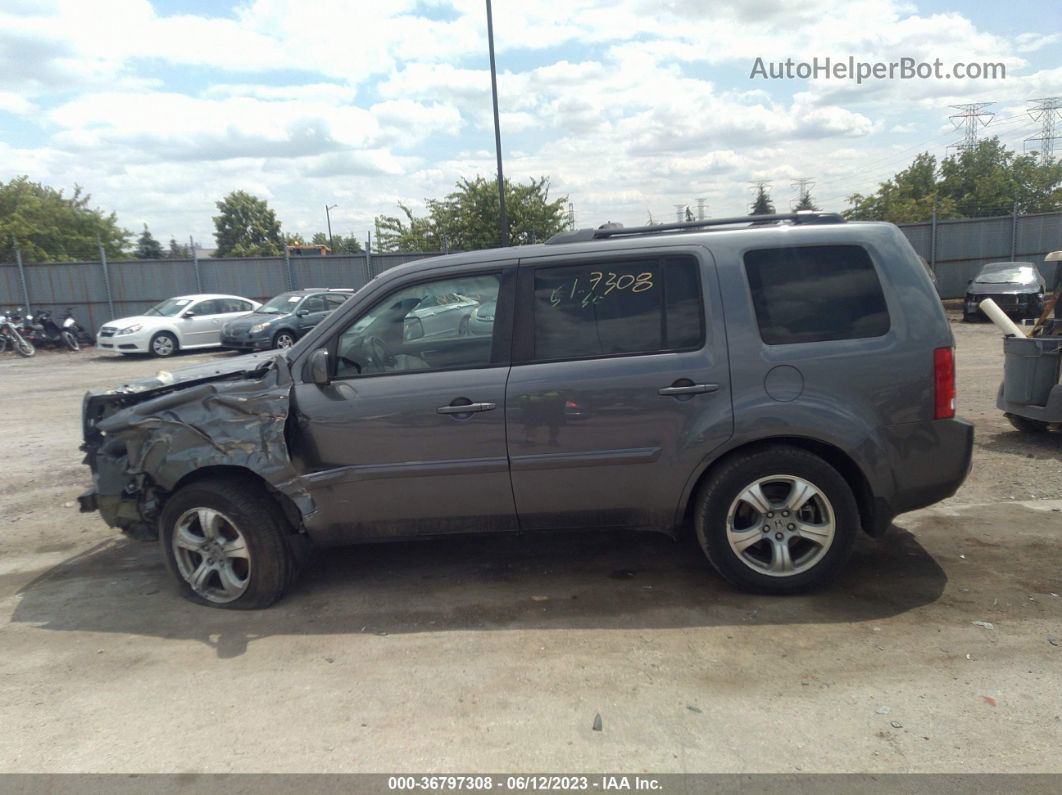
x,y
630,107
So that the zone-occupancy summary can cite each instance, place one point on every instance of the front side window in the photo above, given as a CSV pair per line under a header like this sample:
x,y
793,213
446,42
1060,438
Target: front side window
x,y
427,326
206,308
336,300
816,294
313,303
610,309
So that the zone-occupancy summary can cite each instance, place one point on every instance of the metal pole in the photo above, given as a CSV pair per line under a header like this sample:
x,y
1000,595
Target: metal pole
x,y
1014,232
328,220
22,277
503,218
933,235
287,266
368,255
195,265
106,278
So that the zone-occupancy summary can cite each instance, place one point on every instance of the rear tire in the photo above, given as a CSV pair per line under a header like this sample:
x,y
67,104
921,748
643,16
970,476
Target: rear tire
x,y
23,347
228,544
70,341
1025,425
799,537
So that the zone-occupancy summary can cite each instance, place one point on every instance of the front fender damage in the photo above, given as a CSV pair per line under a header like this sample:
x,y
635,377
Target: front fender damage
x,y
144,444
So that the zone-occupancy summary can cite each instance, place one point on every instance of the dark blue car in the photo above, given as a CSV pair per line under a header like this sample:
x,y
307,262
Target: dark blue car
x,y
283,320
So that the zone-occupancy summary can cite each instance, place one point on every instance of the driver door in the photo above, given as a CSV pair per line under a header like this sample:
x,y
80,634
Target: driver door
x,y
409,436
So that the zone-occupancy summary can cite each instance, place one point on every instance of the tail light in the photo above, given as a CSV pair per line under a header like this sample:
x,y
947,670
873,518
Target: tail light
x,y
943,383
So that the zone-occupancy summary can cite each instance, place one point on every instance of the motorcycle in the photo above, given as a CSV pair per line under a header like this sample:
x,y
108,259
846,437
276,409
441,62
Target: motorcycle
x,y
81,334
42,331
11,337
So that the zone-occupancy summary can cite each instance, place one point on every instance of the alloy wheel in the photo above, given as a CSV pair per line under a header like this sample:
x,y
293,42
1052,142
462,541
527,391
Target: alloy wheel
x,y
780,525
212,555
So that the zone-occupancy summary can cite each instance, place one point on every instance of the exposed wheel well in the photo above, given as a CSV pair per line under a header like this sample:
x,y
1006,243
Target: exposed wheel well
x,y
291,512
837,458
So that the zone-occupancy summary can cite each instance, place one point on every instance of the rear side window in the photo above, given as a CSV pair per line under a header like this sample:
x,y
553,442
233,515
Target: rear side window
x,y
815,294
611,309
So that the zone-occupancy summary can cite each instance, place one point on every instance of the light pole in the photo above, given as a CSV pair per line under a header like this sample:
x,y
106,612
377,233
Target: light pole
x,y
328,220
503,219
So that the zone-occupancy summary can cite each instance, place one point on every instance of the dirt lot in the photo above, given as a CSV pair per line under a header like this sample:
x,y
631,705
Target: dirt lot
x,y
496,654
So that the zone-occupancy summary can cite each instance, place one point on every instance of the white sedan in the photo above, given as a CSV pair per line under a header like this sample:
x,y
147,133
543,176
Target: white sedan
x,y
186,322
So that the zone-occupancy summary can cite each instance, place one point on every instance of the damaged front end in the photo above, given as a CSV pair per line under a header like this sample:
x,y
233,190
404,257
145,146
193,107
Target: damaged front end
x,y
141,440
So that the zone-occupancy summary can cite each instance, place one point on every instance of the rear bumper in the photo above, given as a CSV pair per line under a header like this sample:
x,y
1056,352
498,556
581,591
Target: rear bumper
x,y
930,461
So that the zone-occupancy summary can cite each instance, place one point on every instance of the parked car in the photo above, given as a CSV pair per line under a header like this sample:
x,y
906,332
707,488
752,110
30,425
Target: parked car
x,y
281,321
187,322
612,392
1016,287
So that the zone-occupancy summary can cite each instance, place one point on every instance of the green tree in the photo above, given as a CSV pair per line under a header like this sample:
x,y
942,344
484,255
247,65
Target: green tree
x,y
762,205
467,218
178,251
343,245
246,227
985,180
147,247
805,203
989,178
53,227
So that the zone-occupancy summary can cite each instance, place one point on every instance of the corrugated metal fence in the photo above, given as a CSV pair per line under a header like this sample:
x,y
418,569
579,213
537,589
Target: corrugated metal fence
x,y
955,250
136,285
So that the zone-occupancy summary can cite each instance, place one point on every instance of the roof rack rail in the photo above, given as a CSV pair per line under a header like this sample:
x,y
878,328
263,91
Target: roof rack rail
x,y
803,217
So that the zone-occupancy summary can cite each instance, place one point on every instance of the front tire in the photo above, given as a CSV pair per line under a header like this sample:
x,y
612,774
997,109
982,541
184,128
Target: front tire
x,y
227,543
163,344
283,339
70,341
780,520
23,347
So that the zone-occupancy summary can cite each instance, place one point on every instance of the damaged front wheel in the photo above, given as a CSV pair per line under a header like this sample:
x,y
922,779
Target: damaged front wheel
x,y
227,542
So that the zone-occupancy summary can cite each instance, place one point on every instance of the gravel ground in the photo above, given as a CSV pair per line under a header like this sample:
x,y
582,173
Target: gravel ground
x,y
939,650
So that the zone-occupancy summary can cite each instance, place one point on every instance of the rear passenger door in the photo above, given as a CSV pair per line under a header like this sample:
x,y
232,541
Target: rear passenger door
x,y
619,387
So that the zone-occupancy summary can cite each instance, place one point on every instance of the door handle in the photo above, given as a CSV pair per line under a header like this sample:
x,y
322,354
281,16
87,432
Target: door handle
x,y
690,389
466,408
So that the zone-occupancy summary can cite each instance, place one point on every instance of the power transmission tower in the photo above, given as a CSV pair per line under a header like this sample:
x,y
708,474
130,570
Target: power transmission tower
x,y
680,211
1045,111
969,118
571,216
701,204
803,186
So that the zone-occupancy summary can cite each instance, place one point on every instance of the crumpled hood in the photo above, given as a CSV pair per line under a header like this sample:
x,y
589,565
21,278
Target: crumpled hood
x,y
995,288
197,373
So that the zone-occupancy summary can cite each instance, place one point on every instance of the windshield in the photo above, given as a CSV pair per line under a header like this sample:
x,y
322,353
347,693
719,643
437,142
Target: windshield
x,y
169,308
282,304
1002,272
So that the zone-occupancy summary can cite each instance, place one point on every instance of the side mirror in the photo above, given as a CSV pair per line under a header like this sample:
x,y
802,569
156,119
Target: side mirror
x,y
302,313
413,329
187,315
319,367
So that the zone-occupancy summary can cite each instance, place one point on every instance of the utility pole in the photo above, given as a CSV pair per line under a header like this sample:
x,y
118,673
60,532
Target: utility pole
x,y
1045,111
328,221
571,216
22,276
503,218
968,119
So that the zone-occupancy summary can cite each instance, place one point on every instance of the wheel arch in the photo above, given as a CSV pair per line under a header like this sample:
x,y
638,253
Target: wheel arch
x,y
232,472
873,516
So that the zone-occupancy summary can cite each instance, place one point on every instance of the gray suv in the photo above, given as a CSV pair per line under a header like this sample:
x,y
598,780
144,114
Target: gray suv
x,y
775,385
